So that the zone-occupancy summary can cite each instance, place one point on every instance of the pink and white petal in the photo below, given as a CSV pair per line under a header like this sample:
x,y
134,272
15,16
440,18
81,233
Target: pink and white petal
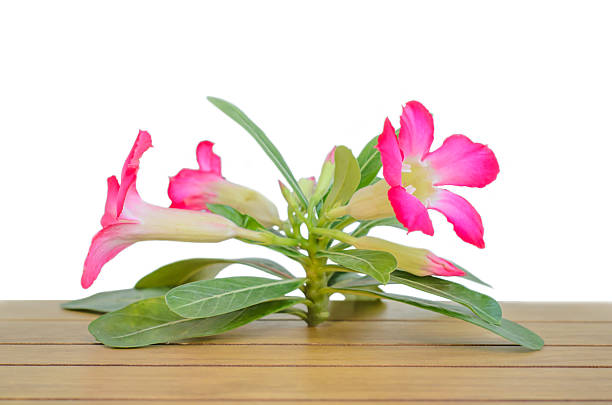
x,y
110,210
391,155
131,165
410,211
459,212
207,159
441,267
416,130
461,162
190,189
105,245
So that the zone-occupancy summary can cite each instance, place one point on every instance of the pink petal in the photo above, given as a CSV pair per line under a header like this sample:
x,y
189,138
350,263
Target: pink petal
x,y
105,245
207,159
391,155
189,189
416,130
410,211
130,167
460,213
441,267
461,162
110,210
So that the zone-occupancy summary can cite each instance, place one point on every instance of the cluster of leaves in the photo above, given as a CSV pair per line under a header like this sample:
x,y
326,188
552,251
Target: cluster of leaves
x,y
184,299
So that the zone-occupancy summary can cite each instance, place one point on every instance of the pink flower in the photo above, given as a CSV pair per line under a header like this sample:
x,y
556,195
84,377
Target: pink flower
x,y
128,219
412,175
193,189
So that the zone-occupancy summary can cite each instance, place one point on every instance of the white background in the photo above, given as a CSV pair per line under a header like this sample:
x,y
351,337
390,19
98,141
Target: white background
x,y
531,79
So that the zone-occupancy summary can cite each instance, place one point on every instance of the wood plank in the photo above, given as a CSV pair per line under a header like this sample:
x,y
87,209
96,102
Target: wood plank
x,y
307,356
289,383
515,311
255,402
344,310
452,332
292,402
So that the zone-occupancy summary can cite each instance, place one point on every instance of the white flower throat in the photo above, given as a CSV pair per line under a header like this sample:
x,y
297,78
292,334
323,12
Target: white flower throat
x,y
418,179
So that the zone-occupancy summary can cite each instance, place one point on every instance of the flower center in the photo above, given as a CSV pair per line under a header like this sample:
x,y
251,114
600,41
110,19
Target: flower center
x,y
417,179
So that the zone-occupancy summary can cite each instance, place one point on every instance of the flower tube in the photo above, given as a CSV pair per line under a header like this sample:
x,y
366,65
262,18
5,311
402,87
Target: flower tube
x,y
193,189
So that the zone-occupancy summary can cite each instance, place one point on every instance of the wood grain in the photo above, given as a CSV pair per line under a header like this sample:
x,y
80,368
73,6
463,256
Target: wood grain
x,y
452,332
307,356
265,383
369,353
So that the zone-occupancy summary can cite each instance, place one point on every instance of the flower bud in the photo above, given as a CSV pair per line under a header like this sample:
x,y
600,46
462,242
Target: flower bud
x,y
325,178
420,262
370,202
307,184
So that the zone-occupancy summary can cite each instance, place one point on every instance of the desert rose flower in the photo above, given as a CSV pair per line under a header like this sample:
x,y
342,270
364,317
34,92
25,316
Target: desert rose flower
x,y
128,219
193,189
412,175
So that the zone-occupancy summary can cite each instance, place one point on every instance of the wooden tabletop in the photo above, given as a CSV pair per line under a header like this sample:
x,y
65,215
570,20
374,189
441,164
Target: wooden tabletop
x,y
385,353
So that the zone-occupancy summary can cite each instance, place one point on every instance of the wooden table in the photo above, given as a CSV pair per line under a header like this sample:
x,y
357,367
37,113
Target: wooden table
x,y
387,354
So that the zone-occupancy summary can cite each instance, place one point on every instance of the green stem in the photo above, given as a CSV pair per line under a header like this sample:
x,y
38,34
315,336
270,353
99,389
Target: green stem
x,y
267,238
316,281
336,234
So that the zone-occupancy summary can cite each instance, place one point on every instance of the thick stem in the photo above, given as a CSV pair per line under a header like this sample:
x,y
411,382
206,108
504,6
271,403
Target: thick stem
x,y
316,281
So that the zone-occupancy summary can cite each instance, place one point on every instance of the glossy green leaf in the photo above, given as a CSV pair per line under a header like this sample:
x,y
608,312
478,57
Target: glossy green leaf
x,y
371,262
206,298
341,280
113,300
470,276
187,271
482,305
506,329
245,122
150,321
346,178
369,162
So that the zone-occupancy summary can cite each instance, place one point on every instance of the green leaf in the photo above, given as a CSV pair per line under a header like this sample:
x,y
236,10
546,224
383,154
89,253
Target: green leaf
x,y
150,321
187,271
470,276
369,162
206,298
371,262
113,300
245,122
340,279
240,219
346,178
482,305
506,329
